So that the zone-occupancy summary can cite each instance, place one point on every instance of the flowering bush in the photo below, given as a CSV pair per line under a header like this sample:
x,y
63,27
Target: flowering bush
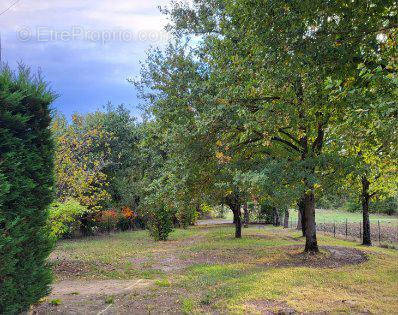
x,y
127,218
108,220
129,214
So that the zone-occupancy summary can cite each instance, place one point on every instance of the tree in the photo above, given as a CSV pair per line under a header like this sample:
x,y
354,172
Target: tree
x,y
286,219
155,184
173,88
270,60
26,189
123,168
369,132
82,154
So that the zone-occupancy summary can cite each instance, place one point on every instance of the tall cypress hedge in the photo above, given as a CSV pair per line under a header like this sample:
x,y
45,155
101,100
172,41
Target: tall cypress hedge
x,y
26,183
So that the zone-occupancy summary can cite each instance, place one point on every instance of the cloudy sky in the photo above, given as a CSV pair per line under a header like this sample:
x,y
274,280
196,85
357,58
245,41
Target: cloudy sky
x,y
85,48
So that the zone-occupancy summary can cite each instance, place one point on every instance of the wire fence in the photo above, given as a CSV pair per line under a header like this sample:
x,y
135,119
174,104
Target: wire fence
x,y
382,232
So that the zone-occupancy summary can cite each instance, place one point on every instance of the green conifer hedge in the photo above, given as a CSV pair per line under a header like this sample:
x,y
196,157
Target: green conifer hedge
x,y
26,183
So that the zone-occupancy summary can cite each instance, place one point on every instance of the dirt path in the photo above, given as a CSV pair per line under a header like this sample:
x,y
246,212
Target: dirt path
x,y
89,297
213,222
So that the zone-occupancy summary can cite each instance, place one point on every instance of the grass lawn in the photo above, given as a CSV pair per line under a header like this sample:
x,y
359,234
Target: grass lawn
x,y
338,216
205,270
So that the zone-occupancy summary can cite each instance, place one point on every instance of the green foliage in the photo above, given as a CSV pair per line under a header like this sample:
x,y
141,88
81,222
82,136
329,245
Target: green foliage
x,y
268,214
353,205
64,217
26,189
124,165
163,283
187,306
221,212
98,162
268,87
160,223
186,215
82,153
207,211
387,206
56,302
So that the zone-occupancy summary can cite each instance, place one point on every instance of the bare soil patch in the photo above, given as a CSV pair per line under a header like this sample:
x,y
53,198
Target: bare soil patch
x,y
290,256
269,307
89,297
71,269
329,257
171,262
106,287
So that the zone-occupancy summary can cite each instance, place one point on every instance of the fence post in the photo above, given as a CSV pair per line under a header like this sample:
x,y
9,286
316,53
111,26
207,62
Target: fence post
x,y
360,230
346,228
334,228
378,223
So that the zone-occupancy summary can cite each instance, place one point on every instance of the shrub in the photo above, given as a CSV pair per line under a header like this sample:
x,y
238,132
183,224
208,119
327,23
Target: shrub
x,y
387,206
353,205
64,218
186,216
26,186
108,220
126,219
207,211
160,223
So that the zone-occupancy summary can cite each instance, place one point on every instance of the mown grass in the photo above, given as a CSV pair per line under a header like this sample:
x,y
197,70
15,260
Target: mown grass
x,y
369,287
339,216
248,283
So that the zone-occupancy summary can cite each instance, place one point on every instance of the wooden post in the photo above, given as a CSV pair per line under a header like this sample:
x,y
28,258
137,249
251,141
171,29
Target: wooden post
x,y
378,223
334,228
360,230
346,228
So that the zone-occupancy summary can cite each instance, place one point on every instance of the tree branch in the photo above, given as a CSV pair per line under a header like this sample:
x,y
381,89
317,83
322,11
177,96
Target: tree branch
x,y
281,130
287,143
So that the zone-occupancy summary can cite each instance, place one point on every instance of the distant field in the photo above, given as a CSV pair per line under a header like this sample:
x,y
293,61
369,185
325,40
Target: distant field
x,y
338,216
330,216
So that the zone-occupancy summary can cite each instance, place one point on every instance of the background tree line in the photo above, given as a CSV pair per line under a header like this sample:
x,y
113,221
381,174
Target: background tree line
x,y
288,104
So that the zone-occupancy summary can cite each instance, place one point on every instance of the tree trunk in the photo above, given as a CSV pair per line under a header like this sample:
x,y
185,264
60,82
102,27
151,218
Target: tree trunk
x,y
299,225
311,244
235,207
234,204
238,226
286,219
302,216
277,220
237,221
366,240
246,215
